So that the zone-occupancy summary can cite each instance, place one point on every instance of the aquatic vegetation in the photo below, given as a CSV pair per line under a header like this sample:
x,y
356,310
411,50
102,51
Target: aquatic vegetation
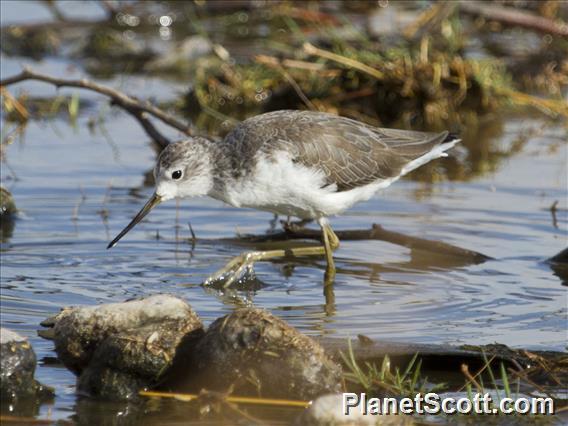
x,y
386,379
430,81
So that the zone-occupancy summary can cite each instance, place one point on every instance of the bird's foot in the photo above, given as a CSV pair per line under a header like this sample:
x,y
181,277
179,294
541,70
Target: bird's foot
x,y
236,270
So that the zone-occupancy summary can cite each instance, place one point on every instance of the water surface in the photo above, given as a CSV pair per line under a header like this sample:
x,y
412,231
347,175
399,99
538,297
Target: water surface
x,y
76,189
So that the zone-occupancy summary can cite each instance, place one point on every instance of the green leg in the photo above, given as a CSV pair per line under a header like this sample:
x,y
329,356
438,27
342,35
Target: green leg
x,y
237,267
331,243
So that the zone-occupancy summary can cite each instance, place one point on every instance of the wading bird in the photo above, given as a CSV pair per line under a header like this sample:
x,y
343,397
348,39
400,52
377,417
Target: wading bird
x,y
311,165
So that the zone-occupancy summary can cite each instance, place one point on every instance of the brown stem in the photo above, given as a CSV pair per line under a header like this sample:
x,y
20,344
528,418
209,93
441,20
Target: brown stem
x,y
510,16
137,108
150,129
377,232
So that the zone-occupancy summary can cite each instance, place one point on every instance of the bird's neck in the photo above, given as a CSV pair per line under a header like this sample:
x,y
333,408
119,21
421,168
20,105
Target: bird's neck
x,y
220,162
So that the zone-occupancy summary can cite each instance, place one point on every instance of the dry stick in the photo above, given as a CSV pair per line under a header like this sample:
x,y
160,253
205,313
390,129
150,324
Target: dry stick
x,y
310,49
467,374
553,210
465,371
15,103
278,67
130,104
377,232
435,14
510,16
548,106
150,129
232,399
542,363
523,375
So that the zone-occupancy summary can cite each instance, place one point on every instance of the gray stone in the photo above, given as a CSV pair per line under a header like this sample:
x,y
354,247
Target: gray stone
x,y
8,213
17,367
258,353
117,349
327,410
7,204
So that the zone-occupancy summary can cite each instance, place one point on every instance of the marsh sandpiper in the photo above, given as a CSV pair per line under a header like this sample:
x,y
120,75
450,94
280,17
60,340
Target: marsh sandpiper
x,y
311,165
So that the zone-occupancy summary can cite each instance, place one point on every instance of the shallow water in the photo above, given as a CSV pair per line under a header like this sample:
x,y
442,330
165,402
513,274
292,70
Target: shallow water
x,y
65,181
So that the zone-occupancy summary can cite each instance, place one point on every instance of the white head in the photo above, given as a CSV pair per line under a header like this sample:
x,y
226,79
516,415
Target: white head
x,y
184,169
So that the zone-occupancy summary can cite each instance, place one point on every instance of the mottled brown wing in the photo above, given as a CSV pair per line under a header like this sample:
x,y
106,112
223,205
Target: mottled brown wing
x,y
349,153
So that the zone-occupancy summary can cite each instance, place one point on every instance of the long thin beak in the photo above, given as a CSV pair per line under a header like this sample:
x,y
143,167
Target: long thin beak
x,y
152,202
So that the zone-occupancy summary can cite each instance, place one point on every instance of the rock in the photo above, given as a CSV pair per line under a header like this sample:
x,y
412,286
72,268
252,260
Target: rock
x,y
7,214
7,205
327,410
559,265
119,348
17,367
258,353
560,257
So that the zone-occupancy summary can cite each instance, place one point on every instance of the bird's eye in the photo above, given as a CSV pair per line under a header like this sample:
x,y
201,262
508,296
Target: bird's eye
x,y
176,175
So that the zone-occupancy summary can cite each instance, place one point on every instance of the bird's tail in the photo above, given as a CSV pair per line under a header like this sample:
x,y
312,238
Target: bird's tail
x,y
437,152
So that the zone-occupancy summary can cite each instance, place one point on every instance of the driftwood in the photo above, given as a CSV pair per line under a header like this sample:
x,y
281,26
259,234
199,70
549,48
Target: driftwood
x,y
377,232
140,110
514,17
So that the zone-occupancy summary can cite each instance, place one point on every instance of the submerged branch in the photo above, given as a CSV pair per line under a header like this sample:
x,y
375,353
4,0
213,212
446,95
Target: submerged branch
x,y
377,232
138,109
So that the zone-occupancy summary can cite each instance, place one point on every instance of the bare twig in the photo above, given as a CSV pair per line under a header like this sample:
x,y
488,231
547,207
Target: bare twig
x,y
553,210
138,109
150,129
470,378
310,49
465,371
12,102
429,18
232,399
193,237
275,64
377,232
552,107
510,16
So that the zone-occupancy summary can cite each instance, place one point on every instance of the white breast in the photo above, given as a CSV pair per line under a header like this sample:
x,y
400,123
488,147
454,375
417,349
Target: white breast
x,y
281,186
